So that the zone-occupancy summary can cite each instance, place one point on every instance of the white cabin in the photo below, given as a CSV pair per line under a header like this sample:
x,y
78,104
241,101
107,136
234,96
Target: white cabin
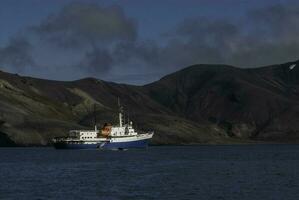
x,y
84,134
126,130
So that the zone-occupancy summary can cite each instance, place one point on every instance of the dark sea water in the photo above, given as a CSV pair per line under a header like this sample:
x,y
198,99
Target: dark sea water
x,y
169,172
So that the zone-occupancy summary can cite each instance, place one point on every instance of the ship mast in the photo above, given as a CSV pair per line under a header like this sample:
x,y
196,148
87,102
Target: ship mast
x,y
120,115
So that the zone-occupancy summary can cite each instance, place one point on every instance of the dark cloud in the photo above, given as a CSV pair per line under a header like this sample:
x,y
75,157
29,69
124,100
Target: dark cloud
x,y
17,54
269,37
280,21
143,51
88,31
94,29
97,60
199,40
265,36
78,23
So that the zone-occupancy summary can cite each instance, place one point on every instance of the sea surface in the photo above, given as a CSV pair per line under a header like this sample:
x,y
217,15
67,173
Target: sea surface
x,y
162,172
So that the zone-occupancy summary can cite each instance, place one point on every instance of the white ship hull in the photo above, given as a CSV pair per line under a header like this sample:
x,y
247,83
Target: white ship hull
x,y
124,142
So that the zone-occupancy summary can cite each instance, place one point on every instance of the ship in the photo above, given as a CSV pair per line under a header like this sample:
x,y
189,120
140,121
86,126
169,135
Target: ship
x,y
120,137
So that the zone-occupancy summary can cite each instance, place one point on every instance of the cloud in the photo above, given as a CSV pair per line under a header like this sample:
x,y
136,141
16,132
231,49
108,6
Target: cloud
x,y
199,40
97,60
272,37
79,23
265,36
262,37
82,37
277,21
17,54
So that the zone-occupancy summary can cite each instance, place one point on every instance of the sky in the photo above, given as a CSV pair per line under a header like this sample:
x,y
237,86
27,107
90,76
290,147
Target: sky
x,y
140,41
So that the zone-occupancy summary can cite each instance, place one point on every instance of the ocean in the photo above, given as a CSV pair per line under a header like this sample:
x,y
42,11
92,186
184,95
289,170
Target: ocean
x,y
160,172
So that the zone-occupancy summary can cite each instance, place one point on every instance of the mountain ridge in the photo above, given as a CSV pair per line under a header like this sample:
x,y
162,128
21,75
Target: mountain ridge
x,y
198,104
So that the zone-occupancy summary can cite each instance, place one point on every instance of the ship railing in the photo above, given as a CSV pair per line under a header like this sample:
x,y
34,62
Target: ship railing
x,y
79,131
58,139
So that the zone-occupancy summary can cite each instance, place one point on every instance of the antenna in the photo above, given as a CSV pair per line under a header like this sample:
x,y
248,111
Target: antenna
x,y
95,117
124,117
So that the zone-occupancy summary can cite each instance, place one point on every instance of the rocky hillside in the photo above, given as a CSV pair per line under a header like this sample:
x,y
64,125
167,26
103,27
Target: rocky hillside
x,y
258,104
199,104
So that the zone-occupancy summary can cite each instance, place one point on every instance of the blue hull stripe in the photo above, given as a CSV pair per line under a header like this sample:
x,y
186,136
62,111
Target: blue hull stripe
x,y
125,145
105,145
63,145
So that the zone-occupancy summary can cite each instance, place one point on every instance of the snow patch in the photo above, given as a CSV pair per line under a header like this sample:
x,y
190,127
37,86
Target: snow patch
x,y
292,66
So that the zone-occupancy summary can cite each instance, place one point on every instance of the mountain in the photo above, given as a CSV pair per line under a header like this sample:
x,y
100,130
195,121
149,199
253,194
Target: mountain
x,y
199,104
258,104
